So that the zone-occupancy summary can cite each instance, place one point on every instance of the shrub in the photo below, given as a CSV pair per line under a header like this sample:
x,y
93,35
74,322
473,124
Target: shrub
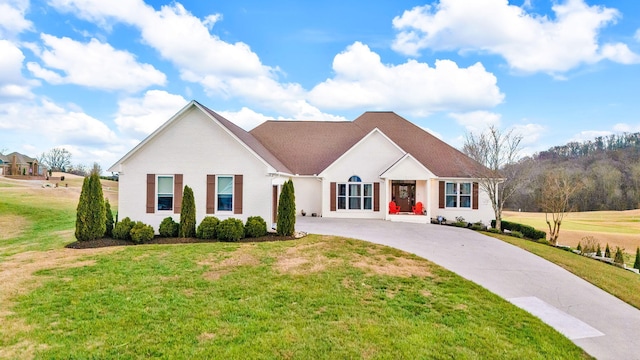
x,y
255,227
188,214
286,225
230,230
589,245
516,234
168,227
140,232
122,230
636,264
619,257
579,247
208,228
91,216
607,252
477,227
527,231
599,251
543,241
109,222
494,230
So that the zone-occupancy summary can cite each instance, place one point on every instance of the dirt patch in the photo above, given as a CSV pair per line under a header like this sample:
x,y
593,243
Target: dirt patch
x,y
220,267
305,259
12,226
17,278
391,265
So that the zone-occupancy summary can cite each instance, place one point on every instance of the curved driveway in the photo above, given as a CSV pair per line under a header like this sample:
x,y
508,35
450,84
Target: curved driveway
x,y
600,323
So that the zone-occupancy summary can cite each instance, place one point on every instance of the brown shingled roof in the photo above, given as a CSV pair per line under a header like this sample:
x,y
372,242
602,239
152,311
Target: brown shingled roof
x,y
308,147
441,158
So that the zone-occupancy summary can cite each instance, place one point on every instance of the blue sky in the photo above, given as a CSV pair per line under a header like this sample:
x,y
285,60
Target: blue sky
x,y
96,76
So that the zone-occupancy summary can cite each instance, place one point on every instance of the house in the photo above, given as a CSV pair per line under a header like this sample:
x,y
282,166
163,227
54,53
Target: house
x,y
20,165
350,169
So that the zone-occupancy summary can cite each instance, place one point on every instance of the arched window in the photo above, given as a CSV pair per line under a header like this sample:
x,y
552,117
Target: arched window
x,y
354,195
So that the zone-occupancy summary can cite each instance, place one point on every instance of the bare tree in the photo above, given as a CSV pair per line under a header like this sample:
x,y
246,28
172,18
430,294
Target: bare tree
x,y
557,189
498,152
56,159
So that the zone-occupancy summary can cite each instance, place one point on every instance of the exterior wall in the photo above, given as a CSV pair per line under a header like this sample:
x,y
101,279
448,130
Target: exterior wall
x,y
367,159
484,212
193,145
308,192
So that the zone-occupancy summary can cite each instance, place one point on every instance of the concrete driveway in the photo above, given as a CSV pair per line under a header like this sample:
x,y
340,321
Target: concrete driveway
x,y
600,323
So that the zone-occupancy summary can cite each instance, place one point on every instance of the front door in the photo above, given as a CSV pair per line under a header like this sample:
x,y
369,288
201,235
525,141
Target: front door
x,y
404,195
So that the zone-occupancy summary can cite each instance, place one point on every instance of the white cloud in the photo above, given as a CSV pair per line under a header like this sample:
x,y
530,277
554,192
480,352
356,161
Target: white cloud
x,y
362,80
139,117
628,128
477,121
93,64
12,84
531,133
590,135
245,118
12,20
528,42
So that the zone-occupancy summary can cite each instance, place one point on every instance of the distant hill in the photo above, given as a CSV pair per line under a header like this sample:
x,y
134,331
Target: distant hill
x,y
609,167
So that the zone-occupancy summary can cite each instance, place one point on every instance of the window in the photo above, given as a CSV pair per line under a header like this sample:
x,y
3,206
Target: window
x,y
355,195
225,193
458,195
165,193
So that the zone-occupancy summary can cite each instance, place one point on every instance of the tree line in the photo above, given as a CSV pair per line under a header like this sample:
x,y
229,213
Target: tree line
x,y
605,174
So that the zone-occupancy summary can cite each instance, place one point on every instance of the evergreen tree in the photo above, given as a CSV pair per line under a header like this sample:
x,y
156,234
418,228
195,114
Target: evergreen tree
x,y
607,251
91,215
599,251
636,264
286,225
109,217
188,214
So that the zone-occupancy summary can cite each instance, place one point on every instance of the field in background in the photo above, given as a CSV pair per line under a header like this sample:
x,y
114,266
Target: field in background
x,y
617,228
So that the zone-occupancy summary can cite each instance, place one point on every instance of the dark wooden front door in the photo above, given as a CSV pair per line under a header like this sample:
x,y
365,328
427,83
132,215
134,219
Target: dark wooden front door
x,y
404,195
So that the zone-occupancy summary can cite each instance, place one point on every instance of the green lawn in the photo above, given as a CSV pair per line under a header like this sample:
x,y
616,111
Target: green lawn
x,y
614,280
318,297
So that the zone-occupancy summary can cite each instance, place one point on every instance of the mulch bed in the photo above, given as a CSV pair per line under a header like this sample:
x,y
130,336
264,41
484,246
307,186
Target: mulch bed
x,y
105,242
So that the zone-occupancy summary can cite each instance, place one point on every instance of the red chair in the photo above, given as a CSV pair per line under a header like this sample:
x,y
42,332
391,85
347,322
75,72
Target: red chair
x,y
393,208
417,209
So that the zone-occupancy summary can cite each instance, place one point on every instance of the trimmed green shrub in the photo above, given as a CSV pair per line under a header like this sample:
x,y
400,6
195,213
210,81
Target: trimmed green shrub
x,y
230,230
122,230
607,252
543,241
286,225
208,228
168,227
636,264
109,223
619,256
141,232
599,251
494,230
255,227
527,231
91,217
516,234
188,214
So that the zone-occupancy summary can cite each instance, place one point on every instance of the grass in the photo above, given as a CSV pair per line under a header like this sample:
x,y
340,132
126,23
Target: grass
x,y
320,297
617,228
621,283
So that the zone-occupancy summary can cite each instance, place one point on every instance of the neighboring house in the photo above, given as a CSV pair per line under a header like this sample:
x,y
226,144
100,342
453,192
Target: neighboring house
x,y
339,169
16,164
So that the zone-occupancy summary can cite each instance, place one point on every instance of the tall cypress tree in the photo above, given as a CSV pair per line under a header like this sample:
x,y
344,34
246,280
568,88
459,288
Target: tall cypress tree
x,y
636,264
286,225
91,213
109,218
188,214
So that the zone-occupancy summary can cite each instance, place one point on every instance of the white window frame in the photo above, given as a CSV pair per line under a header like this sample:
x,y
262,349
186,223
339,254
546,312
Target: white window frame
x,y
457,193
173,195
348,195
217,190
